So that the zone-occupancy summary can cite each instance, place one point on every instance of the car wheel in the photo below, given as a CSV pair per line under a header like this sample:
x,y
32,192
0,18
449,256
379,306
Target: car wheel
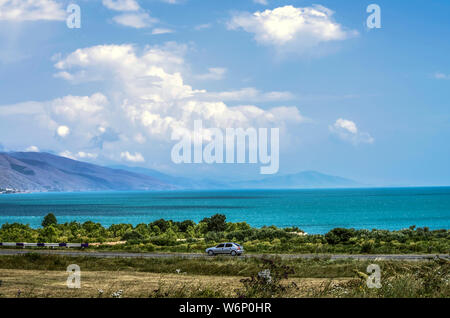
x,y
233,253
210,253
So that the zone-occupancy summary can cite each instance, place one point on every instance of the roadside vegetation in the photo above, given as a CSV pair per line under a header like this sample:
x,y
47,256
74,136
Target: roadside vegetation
x,y
36,275
191,237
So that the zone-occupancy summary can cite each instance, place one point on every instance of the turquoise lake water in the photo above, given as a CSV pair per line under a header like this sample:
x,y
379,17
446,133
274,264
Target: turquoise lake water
x,y
315,211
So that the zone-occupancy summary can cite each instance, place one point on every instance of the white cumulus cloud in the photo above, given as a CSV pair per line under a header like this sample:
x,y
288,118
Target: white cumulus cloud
x,y
86,155
63,131
347,130
157,31
121,5
31,10
214,73
135,20
132,15
81,155
263,2
32,149
137,157
74,108
291,29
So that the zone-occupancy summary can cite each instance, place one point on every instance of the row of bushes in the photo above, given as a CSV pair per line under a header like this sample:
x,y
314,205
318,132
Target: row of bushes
x,y
188,236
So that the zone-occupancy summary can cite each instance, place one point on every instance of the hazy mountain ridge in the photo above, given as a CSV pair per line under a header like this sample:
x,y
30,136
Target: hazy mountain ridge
x,y
304,179
185,183
42,172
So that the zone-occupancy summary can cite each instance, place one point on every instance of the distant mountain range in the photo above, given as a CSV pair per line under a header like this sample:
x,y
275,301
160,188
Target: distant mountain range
x,y
32,171
304,179
180,182
38,172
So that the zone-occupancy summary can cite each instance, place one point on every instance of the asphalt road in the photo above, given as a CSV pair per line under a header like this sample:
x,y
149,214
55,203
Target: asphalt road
x,y
404,257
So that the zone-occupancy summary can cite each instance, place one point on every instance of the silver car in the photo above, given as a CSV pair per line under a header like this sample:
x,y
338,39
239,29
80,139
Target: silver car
x,y
226,248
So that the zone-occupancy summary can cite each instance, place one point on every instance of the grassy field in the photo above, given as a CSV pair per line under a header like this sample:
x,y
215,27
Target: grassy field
x,y
35,275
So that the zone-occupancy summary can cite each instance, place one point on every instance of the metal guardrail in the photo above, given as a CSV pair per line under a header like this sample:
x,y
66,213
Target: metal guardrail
x,y
45,244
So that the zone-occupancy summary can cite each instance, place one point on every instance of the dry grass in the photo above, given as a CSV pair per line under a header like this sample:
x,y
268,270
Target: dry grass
x,y
45,276
44,284
33,283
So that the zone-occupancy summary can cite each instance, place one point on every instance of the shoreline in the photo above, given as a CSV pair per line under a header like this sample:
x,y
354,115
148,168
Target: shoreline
x,y
16,191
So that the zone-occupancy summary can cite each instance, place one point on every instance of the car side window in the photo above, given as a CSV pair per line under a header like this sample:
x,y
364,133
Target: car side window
x,y
228,245
220,245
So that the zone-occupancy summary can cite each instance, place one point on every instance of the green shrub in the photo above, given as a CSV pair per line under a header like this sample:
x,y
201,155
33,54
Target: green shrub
x,y
49,219
132,236
339,235
216,223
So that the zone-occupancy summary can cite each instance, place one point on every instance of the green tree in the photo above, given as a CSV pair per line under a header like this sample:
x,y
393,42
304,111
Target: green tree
x,y
49,234
339,235
161,223
132,236
183,226
49,219
216,223
118,230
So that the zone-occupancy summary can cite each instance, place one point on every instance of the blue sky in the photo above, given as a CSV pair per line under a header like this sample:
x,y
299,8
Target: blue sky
x,y
367,104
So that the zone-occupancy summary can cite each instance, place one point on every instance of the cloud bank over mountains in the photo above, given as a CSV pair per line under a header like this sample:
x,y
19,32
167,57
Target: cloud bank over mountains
x,y
138,96
148,101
